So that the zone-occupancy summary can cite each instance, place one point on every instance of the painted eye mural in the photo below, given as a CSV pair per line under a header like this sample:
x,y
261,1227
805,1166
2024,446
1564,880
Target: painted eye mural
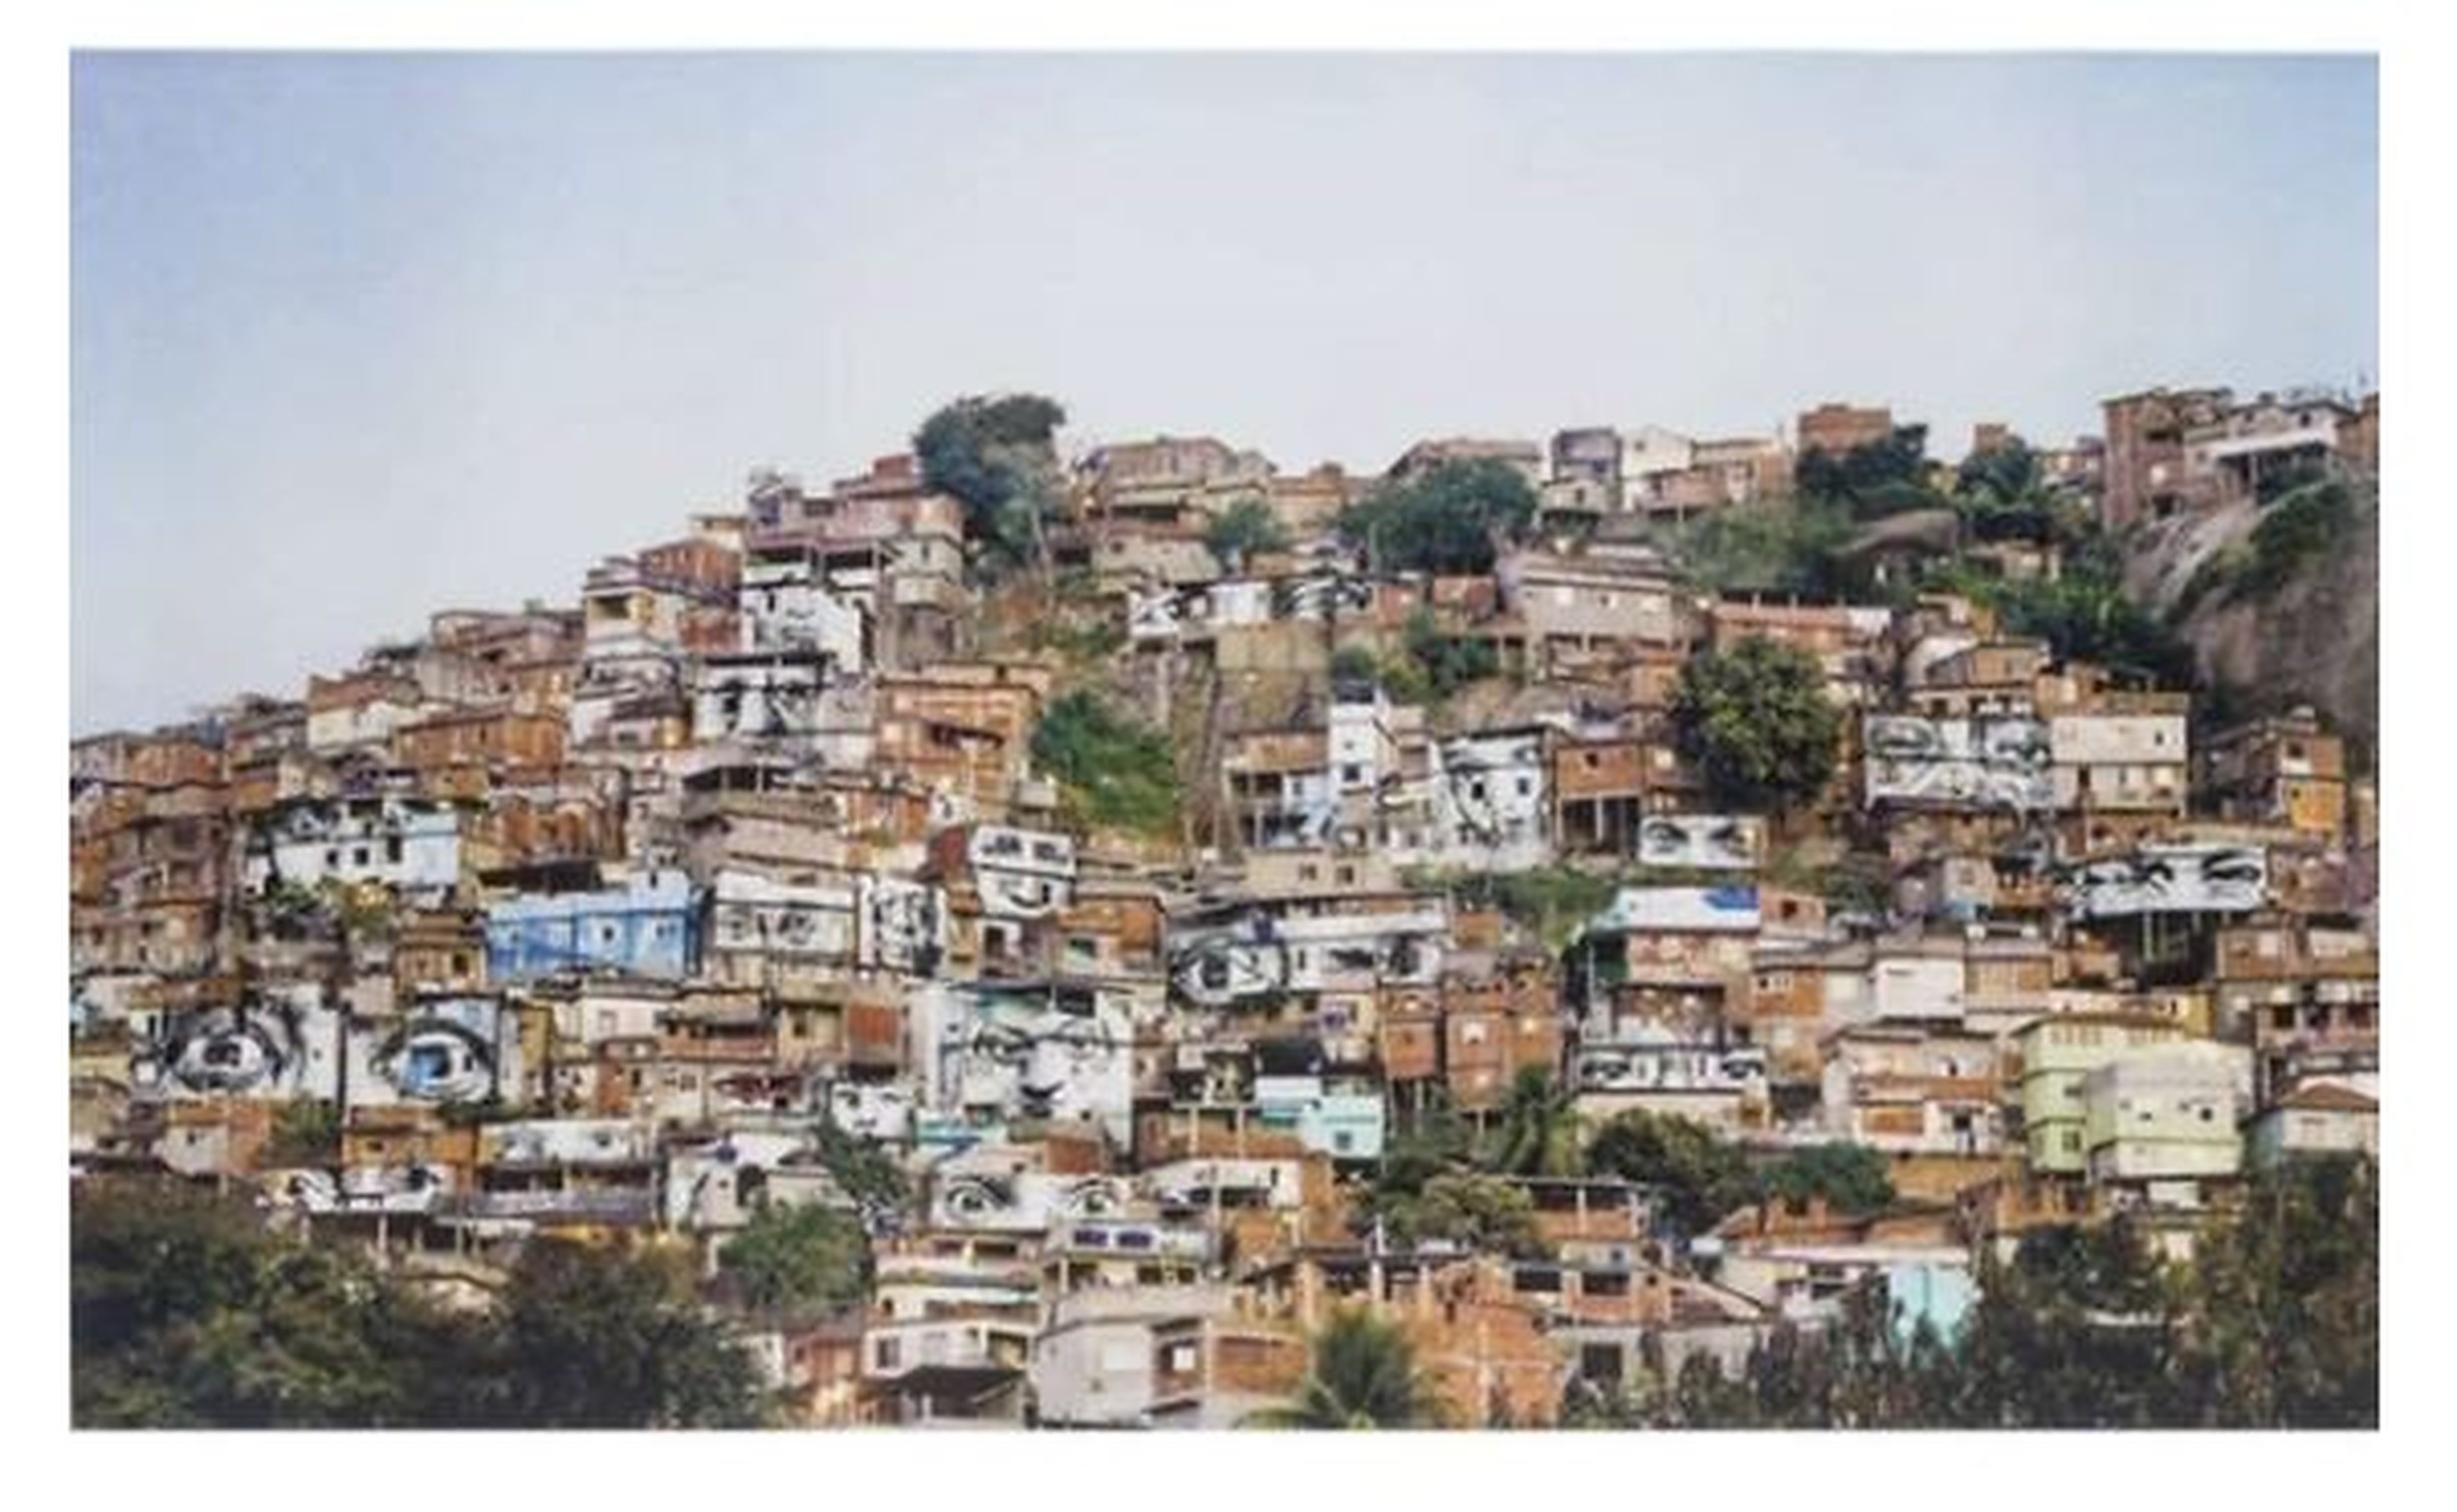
x,y
973,1201
1220,967
434,1060
1900,738
253,1051
1100,1199
2014,742
2232,868
1603,1070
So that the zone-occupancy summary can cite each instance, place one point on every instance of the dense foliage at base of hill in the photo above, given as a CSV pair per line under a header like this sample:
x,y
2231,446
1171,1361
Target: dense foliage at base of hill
x,y
2275,1323
187,1311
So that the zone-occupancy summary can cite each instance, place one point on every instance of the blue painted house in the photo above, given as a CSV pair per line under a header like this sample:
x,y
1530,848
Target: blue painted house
x,y
651,927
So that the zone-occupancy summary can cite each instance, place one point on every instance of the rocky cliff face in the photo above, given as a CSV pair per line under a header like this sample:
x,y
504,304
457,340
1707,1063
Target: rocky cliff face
x,y
2311,638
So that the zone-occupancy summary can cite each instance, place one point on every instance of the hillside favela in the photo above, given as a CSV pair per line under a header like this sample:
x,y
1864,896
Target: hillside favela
x,y
1837,926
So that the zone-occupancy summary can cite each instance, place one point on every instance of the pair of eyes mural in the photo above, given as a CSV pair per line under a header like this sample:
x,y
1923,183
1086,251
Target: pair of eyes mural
x,y
2219,878
1606,1072
2019,743
1694,840
967,1200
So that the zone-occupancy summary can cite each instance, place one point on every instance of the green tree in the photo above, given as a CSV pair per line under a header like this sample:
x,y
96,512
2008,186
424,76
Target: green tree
x,y
1441,664
2282,1301
866,1172
1780,546
1538,1132
1468,1209
1851,1178
2000,475
2086,616
1696,1176
1363,1374
1423,1145
605,1337
2074,1332
1448,521
1757,723
1115,770
997,456
799,1259
1243,531
185,1310
2298,528
1876,478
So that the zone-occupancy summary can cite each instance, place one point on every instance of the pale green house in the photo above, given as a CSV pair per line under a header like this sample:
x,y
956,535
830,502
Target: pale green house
x,y
2168,1114
2058,1053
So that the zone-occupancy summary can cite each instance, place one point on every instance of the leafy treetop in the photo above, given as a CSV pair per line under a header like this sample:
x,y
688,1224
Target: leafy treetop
x,y
1757,723
1448,521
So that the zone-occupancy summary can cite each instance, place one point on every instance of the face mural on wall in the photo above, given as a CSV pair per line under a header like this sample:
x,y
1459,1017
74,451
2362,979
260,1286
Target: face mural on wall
x,y
1475,775
1022,874
901,927
1031,1057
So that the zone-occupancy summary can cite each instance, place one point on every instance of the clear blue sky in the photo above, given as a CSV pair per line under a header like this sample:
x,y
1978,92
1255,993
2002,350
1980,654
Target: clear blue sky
x,y
360,337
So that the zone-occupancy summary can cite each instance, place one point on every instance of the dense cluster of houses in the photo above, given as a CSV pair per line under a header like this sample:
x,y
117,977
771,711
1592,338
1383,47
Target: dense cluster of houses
x,y
610,919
